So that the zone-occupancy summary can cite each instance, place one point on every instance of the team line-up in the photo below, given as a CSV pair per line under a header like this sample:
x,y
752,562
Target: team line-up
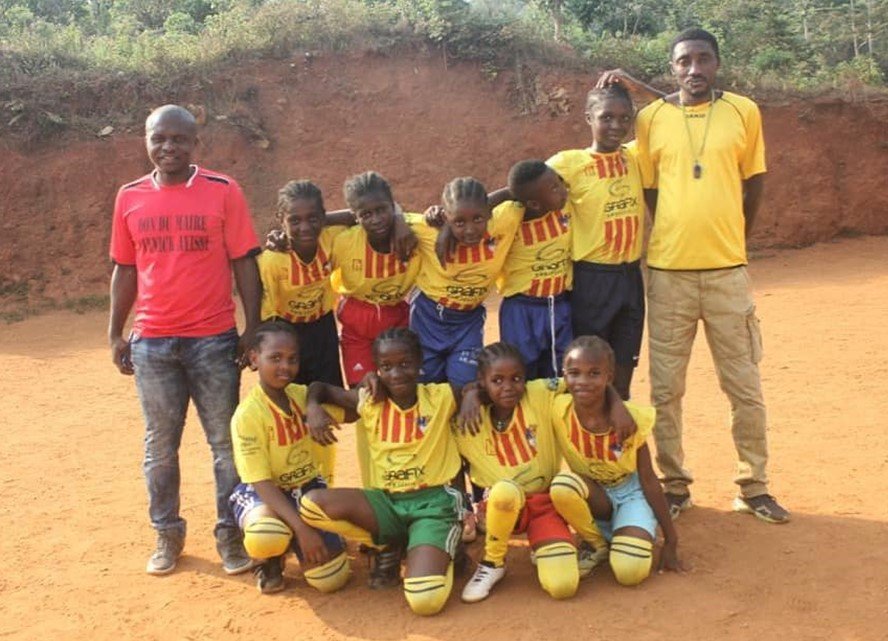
x,y
453,438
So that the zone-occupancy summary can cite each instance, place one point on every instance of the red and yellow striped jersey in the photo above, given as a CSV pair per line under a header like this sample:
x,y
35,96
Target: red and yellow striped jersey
x,y
361,272
271,445
599,456
408,449
471,270
296,291
525,452
538,264
608,203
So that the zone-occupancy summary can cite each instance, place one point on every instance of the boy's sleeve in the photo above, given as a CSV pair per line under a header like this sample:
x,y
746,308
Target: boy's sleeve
x,y
240,237
249,441
753,160
123,249
561,163
649,177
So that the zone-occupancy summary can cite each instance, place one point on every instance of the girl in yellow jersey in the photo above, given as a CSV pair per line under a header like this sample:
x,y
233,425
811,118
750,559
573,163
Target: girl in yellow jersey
x,y
512,452
367,271
611,488
278,462
447,312
296,282
412,457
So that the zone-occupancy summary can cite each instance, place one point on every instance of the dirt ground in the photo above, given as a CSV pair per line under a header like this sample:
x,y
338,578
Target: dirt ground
x,y
74,499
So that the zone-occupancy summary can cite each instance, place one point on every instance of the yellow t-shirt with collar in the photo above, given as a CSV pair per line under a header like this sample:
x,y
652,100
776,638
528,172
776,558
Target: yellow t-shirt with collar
x,y
599,456
272,445
409,449
471,270
525,452
294,290
604,190
699,223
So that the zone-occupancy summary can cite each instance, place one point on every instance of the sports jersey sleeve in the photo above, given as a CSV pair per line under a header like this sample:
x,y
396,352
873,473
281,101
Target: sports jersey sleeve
x,y
564,165
240,237
250,444
753,161
270,294
649,177
123,250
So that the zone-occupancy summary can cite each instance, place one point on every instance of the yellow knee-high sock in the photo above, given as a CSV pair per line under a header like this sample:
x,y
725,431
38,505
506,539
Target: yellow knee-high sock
x,y
314,516
504,504
427,595
569,496
331,576
557,569
630,559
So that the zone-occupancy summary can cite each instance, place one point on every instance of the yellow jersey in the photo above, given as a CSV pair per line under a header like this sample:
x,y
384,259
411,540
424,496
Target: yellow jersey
x,y
409,449
272,445
296,291
538,263
360,272
525,452
470,271
699,222
599,456
605,192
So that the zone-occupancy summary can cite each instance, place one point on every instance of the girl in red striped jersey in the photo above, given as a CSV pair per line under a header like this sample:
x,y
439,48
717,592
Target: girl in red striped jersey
x,y
512,452
611,494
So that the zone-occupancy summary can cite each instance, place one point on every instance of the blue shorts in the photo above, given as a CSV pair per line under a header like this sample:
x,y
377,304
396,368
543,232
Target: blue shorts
x,y
541,330
244,499
450,339
608,301
630,508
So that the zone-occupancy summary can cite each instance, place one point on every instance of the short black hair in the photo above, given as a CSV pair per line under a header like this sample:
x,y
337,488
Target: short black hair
x,y
401,335
494,352
614,91
171,111
596,345
269,327
523,173
694,33
298,190
360,185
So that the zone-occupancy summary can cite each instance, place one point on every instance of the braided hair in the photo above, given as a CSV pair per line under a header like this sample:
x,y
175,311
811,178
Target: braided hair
x,y
269,327
461,190
496,351
298,190
360,185
599,95
401,335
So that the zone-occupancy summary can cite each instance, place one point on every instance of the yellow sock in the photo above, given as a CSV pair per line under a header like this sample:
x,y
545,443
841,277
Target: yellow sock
x,y
314,516
569,496
427,595
557,569
503,507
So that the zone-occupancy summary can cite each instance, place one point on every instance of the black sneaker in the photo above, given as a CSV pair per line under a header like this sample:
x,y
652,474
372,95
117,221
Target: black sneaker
x,y
169,547
385,568
764,507
677,503
270,575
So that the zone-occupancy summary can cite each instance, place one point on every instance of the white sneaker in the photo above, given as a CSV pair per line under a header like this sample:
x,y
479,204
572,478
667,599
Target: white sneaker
x,y
482,582
589,558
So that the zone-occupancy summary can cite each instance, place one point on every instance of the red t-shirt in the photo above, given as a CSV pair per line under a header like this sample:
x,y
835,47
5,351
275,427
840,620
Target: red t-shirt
x,y
181,238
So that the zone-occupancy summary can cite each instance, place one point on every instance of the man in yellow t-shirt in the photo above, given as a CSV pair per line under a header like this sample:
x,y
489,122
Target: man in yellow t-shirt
x,y
703,162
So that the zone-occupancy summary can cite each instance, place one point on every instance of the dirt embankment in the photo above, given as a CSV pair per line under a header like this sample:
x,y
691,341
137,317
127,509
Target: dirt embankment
x,y
418,123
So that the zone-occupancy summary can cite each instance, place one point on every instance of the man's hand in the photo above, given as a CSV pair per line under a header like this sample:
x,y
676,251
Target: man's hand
x,y
615,77
312,545
243,348
276,241
120,354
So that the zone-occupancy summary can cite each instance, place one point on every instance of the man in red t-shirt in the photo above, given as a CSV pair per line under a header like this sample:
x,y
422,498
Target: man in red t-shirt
x,y
176,236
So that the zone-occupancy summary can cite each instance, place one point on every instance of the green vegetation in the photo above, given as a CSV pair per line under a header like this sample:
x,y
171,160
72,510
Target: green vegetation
x,y
767,44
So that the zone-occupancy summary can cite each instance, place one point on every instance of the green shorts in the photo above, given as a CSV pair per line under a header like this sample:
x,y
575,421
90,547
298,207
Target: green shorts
x,y
421,517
